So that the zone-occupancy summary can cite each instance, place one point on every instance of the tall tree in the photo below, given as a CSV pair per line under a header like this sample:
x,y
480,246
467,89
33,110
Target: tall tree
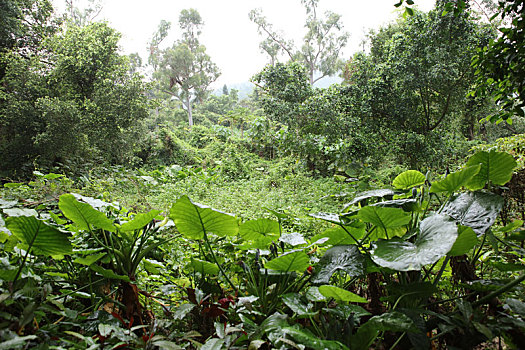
x,y
321,44
185,70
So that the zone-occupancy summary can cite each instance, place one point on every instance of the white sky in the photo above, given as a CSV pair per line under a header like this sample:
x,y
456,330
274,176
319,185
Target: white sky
x,y
230,37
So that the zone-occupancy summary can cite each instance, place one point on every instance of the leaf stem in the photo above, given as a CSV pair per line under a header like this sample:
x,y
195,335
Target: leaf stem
x,y
217,263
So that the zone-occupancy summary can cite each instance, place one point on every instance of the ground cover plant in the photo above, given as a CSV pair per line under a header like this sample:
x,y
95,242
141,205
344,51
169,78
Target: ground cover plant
x,y
422,263
139,210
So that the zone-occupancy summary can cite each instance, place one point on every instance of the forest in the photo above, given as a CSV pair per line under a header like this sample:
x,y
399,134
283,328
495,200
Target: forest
x,y
139,209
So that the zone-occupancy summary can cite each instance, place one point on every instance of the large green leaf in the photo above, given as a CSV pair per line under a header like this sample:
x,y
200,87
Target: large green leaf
x,y
477,210
338,236
496,167
344,257
341,294
204,267
90,259
293,239
44,239
213,344
254,229
139,221
392,321
407,204
83,214
193,220
294,302
466,240
435,239
311,341
408,179
455,181
380,193
293,261
108,273
330,217
384,218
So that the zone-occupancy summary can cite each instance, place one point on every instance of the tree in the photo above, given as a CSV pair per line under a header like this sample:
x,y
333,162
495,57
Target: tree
x,y
501,64
91,75
78,101
414,82
185,70
321,46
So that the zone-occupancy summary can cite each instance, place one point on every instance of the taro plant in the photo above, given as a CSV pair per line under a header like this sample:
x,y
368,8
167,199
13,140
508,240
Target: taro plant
x,y
121,247
400,242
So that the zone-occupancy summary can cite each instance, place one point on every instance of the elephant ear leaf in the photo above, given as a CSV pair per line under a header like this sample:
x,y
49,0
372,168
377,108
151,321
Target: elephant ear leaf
x,y
477,210
408,179
293,261
345,257
195,220
384,218
455,181
496,168
84,215
44,239
139,221
435,239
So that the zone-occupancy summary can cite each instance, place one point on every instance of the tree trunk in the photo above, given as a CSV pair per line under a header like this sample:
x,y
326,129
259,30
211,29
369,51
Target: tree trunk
x,y
189,110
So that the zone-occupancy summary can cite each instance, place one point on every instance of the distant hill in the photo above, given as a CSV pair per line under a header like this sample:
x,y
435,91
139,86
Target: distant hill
x,y
244,89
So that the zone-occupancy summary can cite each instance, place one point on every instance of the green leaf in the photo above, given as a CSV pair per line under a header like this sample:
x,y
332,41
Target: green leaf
x,y
435,239
16,342
108,273
294,302
477,210
293,261
384,218
311,341
213,344
338,236
496,167
346,258
254,229
182,310
392,321
139,221
408,179
4,204
330,217
293,239
89,259
516,306
105,329
14,212
44,239
341,294
466,240
313,294
166,345
370,194
407,204
83,214
204,267
455,181
194,220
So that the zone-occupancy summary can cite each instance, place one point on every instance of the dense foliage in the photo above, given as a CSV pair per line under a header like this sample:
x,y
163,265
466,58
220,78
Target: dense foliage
x,y
376,213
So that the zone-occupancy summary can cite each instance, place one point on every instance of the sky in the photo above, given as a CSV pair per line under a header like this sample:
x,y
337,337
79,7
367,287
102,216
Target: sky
x,y
231,39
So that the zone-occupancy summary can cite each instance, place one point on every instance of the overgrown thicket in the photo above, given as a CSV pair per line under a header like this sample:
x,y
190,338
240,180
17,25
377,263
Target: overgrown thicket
x,y
383,212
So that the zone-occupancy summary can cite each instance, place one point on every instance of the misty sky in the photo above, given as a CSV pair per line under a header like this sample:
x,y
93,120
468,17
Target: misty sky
x,y
230,37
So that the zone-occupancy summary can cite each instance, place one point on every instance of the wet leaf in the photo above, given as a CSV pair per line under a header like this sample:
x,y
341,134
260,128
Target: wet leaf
x,y
435,239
